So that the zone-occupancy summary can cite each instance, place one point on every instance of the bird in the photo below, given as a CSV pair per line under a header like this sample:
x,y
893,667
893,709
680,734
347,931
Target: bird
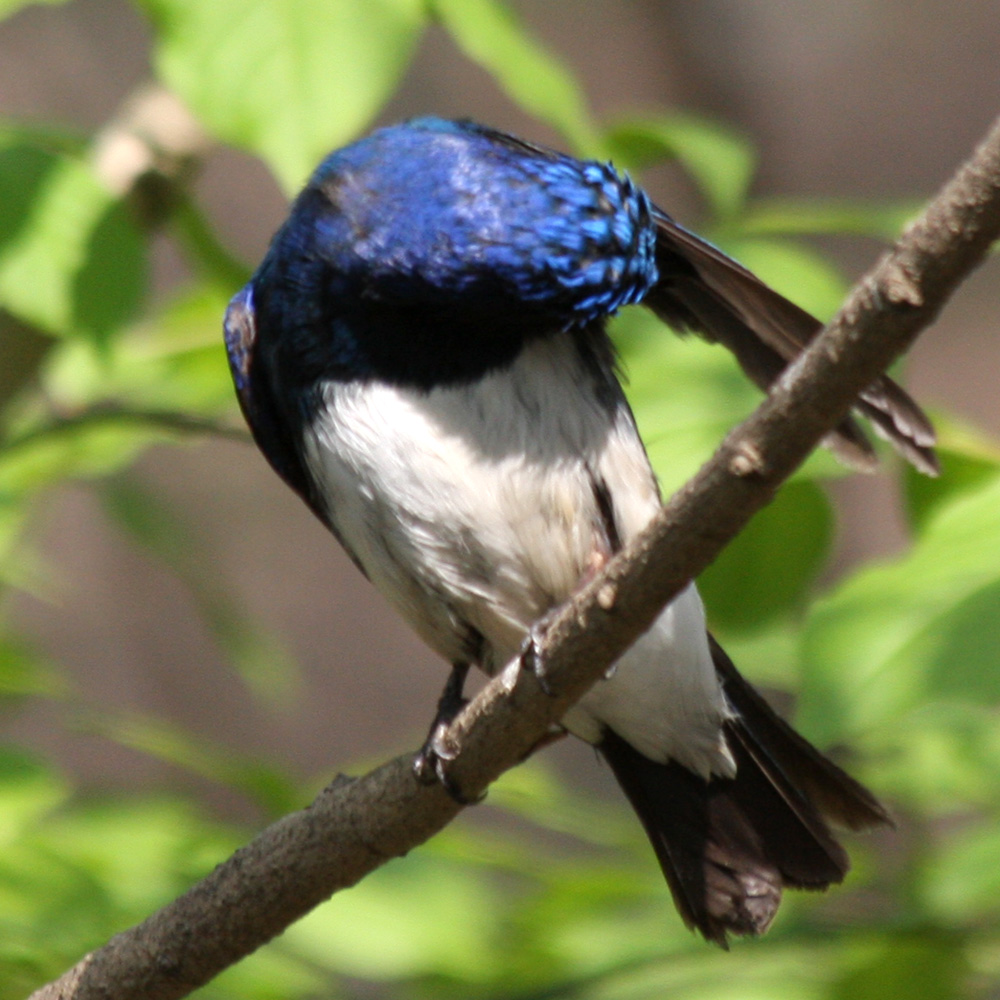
x,y
423,356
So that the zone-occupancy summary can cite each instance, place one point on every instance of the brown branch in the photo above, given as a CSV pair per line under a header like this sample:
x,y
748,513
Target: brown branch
x,y
355,825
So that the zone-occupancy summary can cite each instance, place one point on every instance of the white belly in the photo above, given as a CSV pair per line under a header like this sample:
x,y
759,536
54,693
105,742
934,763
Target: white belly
x,y
473,510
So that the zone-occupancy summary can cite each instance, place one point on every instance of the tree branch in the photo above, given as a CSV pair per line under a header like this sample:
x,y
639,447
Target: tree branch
x,y
355,825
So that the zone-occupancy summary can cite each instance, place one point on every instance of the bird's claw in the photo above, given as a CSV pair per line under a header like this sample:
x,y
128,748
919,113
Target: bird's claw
x,y
431,762
532,657
431,765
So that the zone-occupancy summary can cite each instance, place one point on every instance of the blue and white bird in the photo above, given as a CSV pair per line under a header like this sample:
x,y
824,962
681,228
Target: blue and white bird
x,y
422,356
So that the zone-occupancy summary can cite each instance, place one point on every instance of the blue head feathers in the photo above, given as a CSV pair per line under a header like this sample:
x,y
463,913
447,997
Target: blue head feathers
x,y
455,242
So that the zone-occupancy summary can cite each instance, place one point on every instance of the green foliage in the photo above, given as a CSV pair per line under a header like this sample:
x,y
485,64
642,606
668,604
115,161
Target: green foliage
x,y
544,891
71,259
287,79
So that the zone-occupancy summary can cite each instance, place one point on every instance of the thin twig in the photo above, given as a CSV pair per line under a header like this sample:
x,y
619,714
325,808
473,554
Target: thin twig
x,y
113,413
356,825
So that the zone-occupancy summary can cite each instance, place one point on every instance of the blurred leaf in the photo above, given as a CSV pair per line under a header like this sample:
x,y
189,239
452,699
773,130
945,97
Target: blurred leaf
x,y
23,350
720,161
533,792
76,873
961,883
68,451
924,626
263,783
260,658
410,920
943,757
173,361
24,173
70,257
686,394
28,790
769,656
918,966
769,569
8,7
204,248
968,461
275,973
24,672
287,79
489,34
813,217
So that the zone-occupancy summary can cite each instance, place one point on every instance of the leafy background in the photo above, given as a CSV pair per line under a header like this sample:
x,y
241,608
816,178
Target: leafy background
x,y
184,655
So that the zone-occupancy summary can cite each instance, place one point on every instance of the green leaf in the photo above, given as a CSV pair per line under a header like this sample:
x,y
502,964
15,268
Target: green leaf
x,y
418,918
968,461
769,569
719,160
68,451
264,784
927,626
961,882
24,672
812,216
71,260
8,7
286,79
927,965
489,34
28,790
686,394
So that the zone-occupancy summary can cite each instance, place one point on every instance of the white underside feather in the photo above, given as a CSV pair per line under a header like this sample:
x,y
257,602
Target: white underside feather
x,y
474,506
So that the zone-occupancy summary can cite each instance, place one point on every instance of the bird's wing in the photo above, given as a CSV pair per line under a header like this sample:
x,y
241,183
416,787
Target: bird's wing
x,y
702,289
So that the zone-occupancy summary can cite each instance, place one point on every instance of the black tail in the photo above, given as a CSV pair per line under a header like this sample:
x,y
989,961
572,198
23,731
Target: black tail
x,y
730,845
703,290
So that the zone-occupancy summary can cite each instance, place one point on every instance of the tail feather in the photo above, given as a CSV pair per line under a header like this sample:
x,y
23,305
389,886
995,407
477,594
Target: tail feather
x,y
702,289
729,846
779,749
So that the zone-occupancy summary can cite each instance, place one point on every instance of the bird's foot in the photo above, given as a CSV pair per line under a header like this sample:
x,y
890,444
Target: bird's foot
x,y
431,762
532,656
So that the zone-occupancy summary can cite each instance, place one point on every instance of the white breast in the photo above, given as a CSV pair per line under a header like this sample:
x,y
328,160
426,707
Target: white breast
x,y
473,508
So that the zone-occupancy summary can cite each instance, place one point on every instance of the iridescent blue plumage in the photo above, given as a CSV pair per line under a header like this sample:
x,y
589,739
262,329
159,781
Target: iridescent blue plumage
x,y
432,251
437,208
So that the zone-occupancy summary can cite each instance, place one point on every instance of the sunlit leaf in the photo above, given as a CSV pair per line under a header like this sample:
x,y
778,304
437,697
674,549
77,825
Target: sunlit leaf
x,y
687,395
287,79
924,626
67,450
968,460
71,259
411,919
489,33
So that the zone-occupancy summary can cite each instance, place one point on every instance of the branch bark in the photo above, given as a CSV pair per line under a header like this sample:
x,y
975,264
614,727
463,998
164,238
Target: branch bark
x,y
356,825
